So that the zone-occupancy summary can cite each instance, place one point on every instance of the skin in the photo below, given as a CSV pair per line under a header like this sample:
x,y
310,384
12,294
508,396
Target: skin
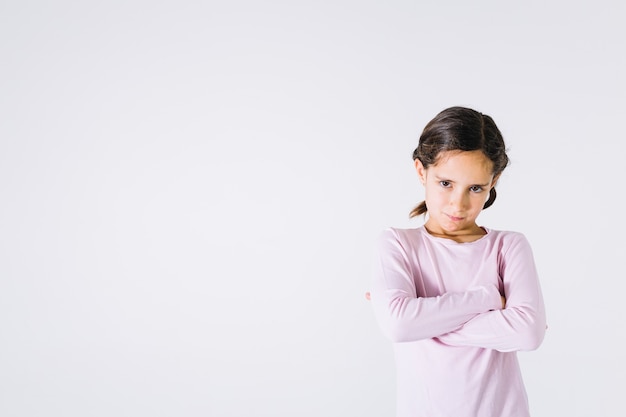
x,y
456,189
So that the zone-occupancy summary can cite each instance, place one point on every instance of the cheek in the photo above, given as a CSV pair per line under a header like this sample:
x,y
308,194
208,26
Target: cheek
x,y
478,201
436,195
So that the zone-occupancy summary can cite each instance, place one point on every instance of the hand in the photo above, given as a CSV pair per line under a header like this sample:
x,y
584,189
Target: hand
x,y
503,302
368,296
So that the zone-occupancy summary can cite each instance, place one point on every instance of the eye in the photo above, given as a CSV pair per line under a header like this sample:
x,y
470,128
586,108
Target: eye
x,y
476,188
444,184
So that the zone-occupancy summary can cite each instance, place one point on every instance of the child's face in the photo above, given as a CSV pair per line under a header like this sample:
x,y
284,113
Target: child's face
x,y
456,189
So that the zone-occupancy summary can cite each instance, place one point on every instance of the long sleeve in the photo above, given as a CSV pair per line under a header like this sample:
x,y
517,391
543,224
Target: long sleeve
x,y
403,314
522,324
439,301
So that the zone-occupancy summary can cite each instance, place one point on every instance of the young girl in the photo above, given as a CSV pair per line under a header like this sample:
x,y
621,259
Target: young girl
x,y
458,299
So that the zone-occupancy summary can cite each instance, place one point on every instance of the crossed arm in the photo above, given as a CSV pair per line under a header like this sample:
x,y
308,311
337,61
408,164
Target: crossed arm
x,y
368,297
480,317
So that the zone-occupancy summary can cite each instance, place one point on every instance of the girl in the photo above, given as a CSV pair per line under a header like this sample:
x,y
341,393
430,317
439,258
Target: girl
x,y
458,299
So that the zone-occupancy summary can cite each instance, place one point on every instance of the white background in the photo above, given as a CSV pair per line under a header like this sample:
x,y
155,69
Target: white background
x,y
190,191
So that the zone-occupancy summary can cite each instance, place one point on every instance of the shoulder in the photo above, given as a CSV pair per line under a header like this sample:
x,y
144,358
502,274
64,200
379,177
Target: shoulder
x,y
510,235
394,233
398,239
508,239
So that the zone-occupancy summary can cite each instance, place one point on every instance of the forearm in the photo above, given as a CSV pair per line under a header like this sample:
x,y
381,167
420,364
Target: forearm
x,y
406,318
512,329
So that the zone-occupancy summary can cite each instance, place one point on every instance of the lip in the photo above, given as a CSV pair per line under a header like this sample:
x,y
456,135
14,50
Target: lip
x,y
454,218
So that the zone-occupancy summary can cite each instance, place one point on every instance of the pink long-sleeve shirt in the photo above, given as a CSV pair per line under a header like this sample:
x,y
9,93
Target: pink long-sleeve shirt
x,y
439,302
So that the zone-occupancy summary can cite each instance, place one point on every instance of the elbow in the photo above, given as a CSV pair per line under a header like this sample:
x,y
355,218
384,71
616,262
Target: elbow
x,y
533,337
533,340
393,321
393,330
397,333
526,330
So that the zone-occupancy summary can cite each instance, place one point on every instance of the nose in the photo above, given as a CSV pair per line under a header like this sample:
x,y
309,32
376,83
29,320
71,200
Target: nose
x,y
459,200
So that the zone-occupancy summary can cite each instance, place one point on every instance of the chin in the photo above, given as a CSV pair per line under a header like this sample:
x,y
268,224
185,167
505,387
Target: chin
x,y
453,227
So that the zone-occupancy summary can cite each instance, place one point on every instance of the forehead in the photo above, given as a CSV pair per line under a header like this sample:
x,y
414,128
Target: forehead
x,y
474,164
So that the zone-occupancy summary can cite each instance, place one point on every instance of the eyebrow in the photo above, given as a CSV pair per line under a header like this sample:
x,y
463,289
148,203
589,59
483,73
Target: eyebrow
x,y
445,179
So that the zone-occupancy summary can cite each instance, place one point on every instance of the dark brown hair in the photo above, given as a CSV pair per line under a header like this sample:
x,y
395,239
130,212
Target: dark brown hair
x,y
461,129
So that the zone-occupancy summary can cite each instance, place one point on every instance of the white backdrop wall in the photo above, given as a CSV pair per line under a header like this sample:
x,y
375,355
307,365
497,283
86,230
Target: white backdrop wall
x,y
190,191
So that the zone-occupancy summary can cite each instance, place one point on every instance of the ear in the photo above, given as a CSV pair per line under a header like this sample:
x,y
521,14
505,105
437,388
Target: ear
x,y
421,171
